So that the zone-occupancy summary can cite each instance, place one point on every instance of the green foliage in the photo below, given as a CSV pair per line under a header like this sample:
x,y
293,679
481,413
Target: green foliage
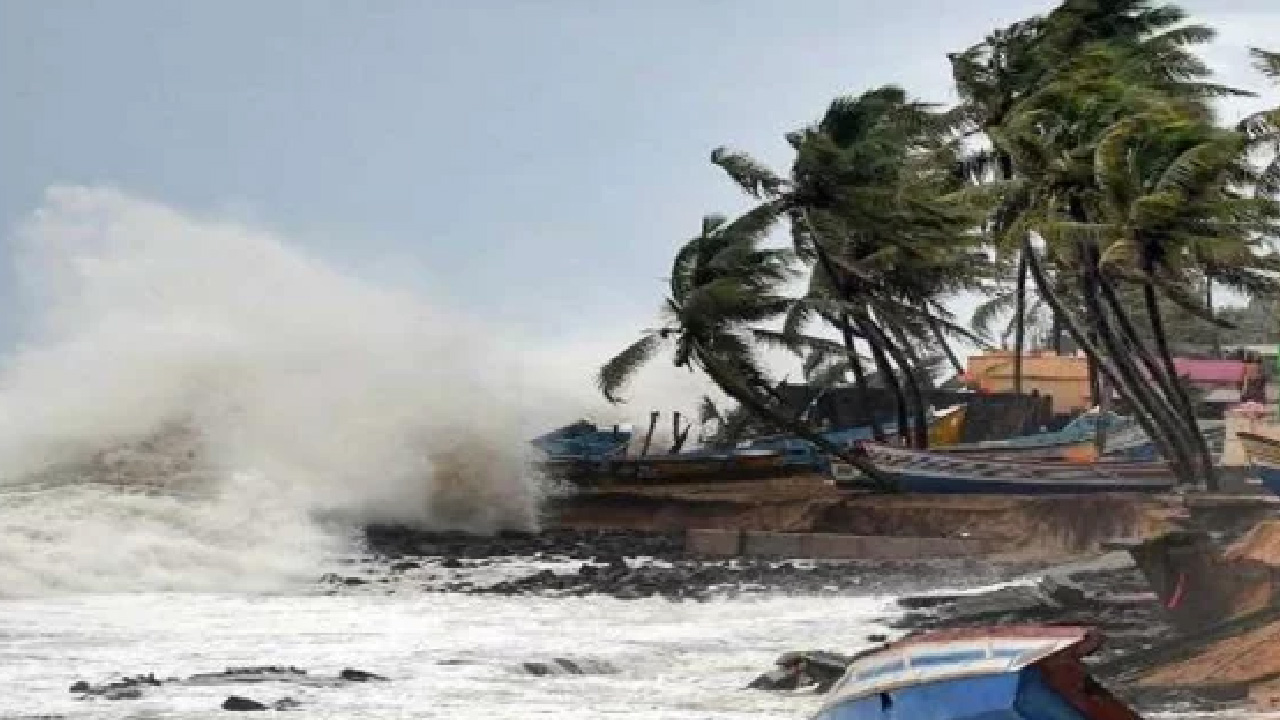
x,y
1090,128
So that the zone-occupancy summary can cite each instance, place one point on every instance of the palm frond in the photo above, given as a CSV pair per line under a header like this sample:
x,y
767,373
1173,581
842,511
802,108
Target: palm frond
x,y
618,371
1267,62
750,175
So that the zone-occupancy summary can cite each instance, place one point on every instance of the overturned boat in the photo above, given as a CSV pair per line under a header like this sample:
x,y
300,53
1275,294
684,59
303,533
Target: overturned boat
x,y
997,673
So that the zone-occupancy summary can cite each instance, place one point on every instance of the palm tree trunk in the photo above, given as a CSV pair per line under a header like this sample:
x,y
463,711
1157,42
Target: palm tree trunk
x,y
877,351
732,386
887,375
946,346
1165,375
1082,340
909,362
860,375
1139,390
1179,393
1208,302
1019,323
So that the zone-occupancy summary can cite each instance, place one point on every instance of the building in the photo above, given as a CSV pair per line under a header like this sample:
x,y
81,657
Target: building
x,y
1062,378
1065,378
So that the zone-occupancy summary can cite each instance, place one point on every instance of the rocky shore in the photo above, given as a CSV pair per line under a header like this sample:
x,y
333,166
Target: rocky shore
x,y
1107,592
628,565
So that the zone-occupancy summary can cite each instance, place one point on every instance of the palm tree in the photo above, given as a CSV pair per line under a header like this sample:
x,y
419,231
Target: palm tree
x,y
722,284
865,204
1056,138
996,76
1263,128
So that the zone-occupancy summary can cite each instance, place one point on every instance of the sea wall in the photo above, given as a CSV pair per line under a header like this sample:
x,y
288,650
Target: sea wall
x,y
843,525
829,546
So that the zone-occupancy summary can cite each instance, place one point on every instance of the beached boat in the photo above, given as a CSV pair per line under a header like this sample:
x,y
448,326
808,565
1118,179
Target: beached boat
x,y
944,428
1025,673
584,441
1075,443
695,467
1264,456
928,472
1260,448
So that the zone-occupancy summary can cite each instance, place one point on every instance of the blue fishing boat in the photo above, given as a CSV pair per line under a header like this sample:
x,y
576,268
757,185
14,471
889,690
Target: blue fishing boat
x,y
584,441
915,471
1004,673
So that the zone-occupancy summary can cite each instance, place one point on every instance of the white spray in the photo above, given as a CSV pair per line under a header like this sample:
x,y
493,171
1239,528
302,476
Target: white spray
x,y
309,393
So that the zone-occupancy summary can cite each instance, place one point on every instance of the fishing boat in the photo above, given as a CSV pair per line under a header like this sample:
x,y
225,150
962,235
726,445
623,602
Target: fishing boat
x,y
1075,443
584,441
1264,456
1028,673
930,472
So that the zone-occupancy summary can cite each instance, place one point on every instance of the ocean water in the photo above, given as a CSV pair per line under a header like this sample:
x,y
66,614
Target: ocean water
x,y
447,655
200,414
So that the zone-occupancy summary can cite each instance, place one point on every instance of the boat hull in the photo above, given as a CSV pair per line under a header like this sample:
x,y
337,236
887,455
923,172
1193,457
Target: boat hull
x,y
996,673
1270,477
1260,448
937,473
1015,695
672,469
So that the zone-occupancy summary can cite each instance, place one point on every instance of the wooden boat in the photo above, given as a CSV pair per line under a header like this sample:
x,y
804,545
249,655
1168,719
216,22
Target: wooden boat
x,y
1260,448
1264,456
926,472
699,467
1074,443
1033,673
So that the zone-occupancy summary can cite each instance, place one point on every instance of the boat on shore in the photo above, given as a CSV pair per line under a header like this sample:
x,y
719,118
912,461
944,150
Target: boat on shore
x,y
1034,673
1074,443
1264,456
916,471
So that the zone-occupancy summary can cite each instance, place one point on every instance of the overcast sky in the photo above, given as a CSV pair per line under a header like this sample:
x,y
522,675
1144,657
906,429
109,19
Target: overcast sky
x,y
535,161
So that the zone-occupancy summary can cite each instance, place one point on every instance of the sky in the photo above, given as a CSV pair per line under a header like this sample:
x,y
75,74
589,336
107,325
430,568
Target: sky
x,y
532,162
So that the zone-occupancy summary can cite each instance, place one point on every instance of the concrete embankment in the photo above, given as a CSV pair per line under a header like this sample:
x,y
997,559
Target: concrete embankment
x,y
804,517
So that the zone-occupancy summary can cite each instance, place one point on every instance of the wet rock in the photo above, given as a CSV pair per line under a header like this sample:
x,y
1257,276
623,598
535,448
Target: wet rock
x,y
777,679
249,674
352,580
127,688
285,703
241,704
125,693
352,675
567,666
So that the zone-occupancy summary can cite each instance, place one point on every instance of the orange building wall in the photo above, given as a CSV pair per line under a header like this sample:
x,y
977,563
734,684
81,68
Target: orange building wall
x,y
1064,378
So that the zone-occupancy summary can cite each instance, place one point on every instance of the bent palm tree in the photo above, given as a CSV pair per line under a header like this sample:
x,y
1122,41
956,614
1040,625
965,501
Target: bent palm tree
x,y
723,283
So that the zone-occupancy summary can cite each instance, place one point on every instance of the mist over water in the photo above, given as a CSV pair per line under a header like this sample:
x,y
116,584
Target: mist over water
x,y
295,392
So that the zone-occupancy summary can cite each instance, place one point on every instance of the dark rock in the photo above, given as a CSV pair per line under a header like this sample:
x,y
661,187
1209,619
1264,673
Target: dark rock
x,y
877,638
451,563
285,703
237,703
352,675
778,679
80,686
405,565
131,692
352,580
